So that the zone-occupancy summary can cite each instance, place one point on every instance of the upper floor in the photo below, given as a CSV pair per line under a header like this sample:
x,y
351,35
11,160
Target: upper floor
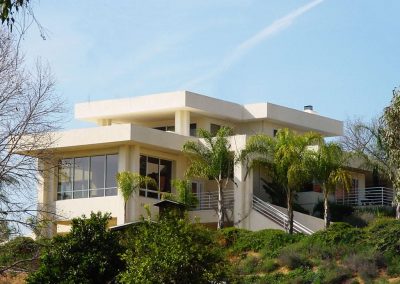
x,y
184,112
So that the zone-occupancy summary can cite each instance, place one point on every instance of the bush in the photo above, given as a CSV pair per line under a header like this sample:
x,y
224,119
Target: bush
x,y
333,274
393,264
88,254
338,233
228,236
384,234
338,211
366,264
269,241
293,259
20,248
172,251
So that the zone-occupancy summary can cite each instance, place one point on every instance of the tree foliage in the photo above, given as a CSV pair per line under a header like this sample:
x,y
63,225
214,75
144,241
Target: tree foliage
x,y
183,194
212,158
390,133
88,254
30,110
172,251
327,165
130,183
285,159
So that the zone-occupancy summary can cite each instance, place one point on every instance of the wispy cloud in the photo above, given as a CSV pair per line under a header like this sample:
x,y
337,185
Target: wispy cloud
x,y
244,47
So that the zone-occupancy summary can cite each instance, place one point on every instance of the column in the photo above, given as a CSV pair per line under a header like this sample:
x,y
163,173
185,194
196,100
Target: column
x,y
134,203
182,122
123,165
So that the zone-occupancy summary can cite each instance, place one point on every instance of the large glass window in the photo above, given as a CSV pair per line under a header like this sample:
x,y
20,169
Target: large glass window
x,y
158,169
87,177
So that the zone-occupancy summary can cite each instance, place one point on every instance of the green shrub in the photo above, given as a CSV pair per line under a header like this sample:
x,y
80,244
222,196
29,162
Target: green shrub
x,y
393,264
366,264
337,233
269,241
88,254
249,264
228,236
384,235
173,251
20,248
333,274
293,259
338,211
267,265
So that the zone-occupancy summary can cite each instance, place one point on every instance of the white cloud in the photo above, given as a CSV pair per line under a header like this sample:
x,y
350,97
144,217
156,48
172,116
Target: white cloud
x,y
244,47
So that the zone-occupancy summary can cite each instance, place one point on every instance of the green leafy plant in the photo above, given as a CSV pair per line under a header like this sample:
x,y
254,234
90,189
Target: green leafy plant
x,y
184,193
130,183
88,254
172,251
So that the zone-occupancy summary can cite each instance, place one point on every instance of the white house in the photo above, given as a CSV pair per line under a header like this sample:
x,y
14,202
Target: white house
x,y
145,135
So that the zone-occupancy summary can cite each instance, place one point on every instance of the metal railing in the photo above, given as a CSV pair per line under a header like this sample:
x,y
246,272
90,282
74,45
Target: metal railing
x,y
209,200
370,196
267,210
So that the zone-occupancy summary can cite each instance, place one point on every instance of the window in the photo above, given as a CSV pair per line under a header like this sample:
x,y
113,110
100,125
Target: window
x,y
275,132
166,128
87,177
214,129
158,169
193,129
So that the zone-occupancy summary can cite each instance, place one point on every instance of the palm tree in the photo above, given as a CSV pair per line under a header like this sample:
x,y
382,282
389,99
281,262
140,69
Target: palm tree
x,y
211,158
327,167
284,158
129,183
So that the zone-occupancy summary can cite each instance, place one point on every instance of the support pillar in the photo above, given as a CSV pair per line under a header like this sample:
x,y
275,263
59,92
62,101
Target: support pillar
x,y
123,165
182,122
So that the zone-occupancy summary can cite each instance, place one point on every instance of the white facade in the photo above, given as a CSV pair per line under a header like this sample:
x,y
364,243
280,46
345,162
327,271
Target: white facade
x,y
127,128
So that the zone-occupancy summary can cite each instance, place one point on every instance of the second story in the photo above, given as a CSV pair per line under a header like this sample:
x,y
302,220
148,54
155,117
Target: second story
x,y
184,112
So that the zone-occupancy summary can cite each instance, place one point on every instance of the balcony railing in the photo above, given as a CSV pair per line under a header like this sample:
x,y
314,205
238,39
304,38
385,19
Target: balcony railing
x,y
370,196
209,200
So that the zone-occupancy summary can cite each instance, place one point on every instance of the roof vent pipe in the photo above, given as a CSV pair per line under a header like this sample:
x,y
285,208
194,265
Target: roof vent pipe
x,y
309,109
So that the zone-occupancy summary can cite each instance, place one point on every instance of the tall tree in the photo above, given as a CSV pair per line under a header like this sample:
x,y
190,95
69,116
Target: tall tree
x,y
390,132
30,110
211,158
130,183
284,158
327,166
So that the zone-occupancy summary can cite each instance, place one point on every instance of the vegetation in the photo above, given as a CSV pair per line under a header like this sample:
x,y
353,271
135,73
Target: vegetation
x,y
212,158
284,158
88,254
172,251
327,165
390,133
184,193
130,183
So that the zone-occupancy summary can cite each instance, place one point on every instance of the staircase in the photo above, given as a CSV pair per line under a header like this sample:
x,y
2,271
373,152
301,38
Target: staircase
x,y
277,216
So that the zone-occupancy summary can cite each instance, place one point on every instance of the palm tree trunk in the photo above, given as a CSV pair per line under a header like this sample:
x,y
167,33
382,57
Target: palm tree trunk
x,y
125,203
220,209
290,210
398,210
327,217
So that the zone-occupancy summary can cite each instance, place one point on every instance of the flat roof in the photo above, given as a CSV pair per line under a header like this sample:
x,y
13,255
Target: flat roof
x,y
164,105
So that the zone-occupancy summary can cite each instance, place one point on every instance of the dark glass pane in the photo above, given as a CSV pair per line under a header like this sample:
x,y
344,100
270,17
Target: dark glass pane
x,y
143,165
64,195
171,128
81,174
165,175
96,192
97,165
152,194
162,128
111,191
152,171
142,192
193,129
111,170
81,194
214,129
65,177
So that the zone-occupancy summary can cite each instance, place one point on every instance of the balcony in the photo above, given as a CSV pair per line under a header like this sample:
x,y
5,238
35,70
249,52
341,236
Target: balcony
x,y
209,200
371,196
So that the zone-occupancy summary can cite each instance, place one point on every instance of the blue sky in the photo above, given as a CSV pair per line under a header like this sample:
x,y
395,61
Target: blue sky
x,y
340,56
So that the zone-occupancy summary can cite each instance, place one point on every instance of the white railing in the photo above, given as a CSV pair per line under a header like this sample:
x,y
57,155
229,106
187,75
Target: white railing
x,y
370,196
278,217
209,200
